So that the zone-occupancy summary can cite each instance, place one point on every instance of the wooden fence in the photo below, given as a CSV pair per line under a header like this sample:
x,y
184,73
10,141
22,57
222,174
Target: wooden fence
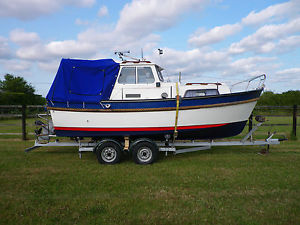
x,y
278,111
23,112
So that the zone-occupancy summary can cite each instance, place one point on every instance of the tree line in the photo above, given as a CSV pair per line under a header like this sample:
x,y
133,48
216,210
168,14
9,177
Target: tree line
x,y
285,98
15,90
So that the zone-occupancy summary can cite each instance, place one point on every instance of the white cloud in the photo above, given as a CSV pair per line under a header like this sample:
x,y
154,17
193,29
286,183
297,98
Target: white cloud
x,y
15,65
199,66
288,44
56,49
290,71
214,35
79,21
255,65
103,11
142,17
140,14
91,42
138,22
19,36
31,9
105,40
69,48
192,63
272,37
50,66
32,52
274,12
82,3
5,51
262,40
290,76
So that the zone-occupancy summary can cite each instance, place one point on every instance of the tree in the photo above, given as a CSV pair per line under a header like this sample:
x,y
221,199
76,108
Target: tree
x,y
285,98
15,90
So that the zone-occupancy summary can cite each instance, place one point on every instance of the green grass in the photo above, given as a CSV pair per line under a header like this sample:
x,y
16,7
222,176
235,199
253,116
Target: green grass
x,y
14,128
228,185
224,185
15,125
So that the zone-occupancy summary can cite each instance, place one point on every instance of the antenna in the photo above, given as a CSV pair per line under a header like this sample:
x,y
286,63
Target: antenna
x,y
142,54
179,77
124,54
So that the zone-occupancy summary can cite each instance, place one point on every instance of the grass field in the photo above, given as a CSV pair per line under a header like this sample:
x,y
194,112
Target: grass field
x,y
225,185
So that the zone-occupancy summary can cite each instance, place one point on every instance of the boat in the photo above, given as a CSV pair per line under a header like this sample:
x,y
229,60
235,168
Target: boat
x,y
131,99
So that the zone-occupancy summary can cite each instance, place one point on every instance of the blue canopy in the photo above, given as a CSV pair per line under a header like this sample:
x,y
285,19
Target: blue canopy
x,y
89,81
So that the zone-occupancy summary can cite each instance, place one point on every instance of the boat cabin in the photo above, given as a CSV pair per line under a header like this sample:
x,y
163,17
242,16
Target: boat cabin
x,y
144,80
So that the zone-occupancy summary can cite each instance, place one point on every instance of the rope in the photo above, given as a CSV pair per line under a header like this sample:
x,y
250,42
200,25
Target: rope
x,y
177,110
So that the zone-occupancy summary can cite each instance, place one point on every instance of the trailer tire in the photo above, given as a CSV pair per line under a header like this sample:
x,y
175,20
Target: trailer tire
x,y
108,152
144,152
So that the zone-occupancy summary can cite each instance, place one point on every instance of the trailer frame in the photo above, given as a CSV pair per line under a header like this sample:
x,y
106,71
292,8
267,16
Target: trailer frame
x,y
162,146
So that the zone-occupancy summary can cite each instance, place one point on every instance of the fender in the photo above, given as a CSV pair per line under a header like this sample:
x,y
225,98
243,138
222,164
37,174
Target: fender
x,y
107,140
141,140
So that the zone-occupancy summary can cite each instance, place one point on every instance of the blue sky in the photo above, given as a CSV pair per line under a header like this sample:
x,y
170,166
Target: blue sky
x,y
205,40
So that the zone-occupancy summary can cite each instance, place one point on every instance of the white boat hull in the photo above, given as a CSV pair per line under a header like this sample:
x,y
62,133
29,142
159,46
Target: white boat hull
x,y
85,123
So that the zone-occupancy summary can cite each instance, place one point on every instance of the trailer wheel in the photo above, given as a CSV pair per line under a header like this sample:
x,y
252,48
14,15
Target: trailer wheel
x,y
108,152
144,152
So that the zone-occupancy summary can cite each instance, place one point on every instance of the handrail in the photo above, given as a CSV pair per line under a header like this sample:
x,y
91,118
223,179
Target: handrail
x,y
262,78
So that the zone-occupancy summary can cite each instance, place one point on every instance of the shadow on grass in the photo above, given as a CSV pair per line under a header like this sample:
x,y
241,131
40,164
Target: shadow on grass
x,y
53,150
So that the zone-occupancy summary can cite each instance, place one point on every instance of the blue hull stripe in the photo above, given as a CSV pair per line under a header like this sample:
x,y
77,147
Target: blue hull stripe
x,y
226,130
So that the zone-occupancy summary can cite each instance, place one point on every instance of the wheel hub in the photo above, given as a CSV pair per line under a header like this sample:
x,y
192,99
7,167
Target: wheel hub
x,y
109,154
144,154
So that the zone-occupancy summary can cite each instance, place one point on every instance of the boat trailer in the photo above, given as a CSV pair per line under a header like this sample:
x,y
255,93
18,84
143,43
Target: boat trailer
x,y
145,150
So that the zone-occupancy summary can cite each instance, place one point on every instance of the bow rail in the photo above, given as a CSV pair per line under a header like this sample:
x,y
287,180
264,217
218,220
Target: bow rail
x,y
260,79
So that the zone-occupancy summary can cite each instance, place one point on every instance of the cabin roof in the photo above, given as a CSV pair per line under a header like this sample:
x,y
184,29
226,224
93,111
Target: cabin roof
x,y
140,63
83,80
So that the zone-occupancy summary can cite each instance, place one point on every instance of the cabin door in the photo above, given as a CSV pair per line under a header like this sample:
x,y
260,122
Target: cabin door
x,y
140,83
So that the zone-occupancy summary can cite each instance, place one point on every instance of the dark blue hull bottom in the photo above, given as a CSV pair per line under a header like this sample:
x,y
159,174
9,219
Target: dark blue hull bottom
x,y
226,130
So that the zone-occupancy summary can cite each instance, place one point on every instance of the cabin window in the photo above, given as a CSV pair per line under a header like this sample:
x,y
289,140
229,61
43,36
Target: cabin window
x,y
127,75
160,77
200,92
145,75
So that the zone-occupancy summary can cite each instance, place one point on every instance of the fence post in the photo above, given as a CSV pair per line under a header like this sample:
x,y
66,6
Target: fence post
x,y
250,122
24,122
294,120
